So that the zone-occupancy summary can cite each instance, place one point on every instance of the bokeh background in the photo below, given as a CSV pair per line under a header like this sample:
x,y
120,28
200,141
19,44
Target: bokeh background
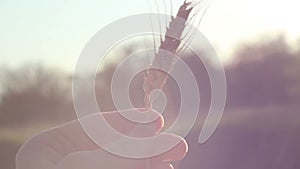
x,y
257,41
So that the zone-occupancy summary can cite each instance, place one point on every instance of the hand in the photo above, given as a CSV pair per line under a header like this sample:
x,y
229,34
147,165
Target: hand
x,y
69,147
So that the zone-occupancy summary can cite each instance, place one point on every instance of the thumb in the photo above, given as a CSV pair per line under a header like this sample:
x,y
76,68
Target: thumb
x,y
107,127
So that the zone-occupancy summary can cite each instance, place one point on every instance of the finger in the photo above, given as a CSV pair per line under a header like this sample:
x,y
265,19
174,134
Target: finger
x,y
135,122
74,133
97,159
177,152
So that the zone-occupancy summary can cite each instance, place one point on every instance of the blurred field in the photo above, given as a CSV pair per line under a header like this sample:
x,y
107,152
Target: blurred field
x,y
261,123
11,139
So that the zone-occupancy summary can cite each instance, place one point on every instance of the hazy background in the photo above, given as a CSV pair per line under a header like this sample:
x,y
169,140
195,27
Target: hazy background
x,y
258,42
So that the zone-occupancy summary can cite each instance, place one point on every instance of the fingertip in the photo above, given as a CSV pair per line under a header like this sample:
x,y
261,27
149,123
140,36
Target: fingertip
x,y
171,166
182,149
176,153
166,166
160,122
162,166
159,119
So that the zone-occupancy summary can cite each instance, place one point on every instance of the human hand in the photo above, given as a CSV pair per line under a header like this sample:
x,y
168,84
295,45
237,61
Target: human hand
x,y
69,147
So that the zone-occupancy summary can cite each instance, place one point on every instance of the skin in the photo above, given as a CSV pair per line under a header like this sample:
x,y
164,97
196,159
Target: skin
x,y
69,147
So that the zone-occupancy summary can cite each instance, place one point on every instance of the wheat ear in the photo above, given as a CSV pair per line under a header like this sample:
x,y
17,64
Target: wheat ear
x,y
154,78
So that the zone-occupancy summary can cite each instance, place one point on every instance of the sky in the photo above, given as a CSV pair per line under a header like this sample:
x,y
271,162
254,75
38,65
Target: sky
x,y
53,32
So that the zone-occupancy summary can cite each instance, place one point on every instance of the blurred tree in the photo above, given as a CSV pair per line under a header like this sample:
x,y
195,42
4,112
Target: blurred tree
x,y
34,93
263,73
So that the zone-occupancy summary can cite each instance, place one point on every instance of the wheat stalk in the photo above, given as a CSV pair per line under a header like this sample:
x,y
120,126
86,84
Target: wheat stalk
x,y
154,78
